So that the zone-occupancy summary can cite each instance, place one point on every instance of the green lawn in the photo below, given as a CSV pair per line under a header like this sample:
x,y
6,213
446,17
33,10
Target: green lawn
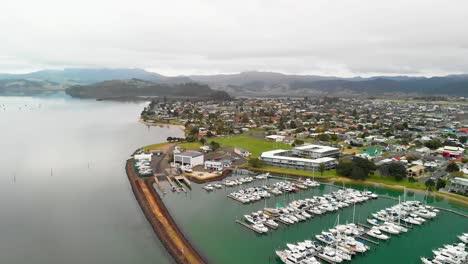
x,y
392,181
154,146
255,145
191,145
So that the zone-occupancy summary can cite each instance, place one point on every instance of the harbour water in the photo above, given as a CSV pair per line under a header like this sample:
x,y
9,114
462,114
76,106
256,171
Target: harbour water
x,y
208,219
64,195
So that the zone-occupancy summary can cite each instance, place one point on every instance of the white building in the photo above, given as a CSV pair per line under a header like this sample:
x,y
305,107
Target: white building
x,y
316,151
189,158
216,165
283,158
275,138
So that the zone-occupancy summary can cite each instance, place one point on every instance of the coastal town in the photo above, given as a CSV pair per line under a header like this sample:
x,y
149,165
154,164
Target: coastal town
x,y
406,142
282,152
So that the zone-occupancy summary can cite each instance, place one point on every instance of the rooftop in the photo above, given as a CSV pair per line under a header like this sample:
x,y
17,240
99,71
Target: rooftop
x,y
274,155
192,154
316,148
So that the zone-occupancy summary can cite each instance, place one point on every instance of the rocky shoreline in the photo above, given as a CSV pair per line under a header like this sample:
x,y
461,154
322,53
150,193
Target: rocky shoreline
x,y
160,219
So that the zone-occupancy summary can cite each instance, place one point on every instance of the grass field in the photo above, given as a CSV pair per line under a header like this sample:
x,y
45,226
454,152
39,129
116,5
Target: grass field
x,y
255,145
154,146
392,181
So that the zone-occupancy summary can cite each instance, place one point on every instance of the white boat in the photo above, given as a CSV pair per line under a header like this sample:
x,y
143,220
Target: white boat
x,y
271,222
388,229
325,239
260,228
397,227
329,254
293,218
208,187
373,221
375,232
464,238
426,214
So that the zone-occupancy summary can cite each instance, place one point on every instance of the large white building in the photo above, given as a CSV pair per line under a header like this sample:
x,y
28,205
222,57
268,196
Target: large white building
x,y
189,158
287,159
316,151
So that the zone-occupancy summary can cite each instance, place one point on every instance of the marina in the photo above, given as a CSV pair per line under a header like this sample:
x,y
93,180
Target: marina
x,y
342,242
230,221
450,253
308,208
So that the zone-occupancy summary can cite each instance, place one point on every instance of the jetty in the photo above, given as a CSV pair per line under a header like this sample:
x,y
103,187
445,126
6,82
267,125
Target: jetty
x,y
160,219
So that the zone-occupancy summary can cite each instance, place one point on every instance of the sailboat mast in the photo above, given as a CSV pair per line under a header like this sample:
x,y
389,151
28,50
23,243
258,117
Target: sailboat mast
x,y
354,210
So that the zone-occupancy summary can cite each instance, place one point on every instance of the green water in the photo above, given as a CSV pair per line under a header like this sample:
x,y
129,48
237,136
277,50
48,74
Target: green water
x,y
208,220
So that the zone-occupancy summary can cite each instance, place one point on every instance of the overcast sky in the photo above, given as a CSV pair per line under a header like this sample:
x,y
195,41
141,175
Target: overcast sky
x,y
172,37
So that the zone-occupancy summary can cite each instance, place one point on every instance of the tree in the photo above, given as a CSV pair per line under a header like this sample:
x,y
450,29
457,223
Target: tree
x,y
298,142
293,124
245,118
214,145
321,169
397,170
463,139
430,183
203,140
344,168
433,144
452,167
323,137
255,163
393,169
193,131
358,173
440,184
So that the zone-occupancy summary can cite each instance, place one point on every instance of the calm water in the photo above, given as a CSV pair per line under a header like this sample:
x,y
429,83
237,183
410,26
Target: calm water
x,y
208,219
64,196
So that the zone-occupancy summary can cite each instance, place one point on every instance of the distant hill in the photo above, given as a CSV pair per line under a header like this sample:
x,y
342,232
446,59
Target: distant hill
x,y
27,87
140,88
88,76
268,83
252,83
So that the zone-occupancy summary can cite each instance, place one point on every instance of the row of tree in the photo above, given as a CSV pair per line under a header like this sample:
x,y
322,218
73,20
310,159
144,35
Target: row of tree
x,y
356,168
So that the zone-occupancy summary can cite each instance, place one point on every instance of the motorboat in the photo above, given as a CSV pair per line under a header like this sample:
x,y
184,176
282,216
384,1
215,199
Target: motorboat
x,y
375,232
388,229
325,239
330,255
260,228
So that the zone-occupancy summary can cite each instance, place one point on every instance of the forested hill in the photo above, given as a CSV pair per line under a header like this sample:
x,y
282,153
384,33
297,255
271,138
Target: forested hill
x,y
140,88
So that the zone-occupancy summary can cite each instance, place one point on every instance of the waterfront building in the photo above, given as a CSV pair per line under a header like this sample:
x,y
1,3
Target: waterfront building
x,y
285,159
216,165
316,151
458,185
189,158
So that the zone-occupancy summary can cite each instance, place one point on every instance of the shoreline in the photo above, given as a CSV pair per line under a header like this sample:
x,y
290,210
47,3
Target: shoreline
x,y
160,219
159,124
452,197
